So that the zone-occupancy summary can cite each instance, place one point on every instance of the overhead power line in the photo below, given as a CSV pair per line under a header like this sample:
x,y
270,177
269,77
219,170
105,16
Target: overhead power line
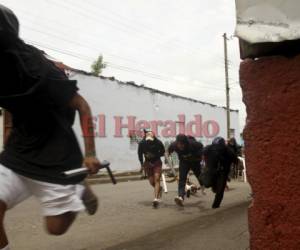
x,y
73,42
119,67
139,26
123,27
88,45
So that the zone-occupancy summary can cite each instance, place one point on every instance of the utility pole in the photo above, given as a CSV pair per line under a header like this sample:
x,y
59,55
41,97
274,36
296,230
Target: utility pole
x,y
227,85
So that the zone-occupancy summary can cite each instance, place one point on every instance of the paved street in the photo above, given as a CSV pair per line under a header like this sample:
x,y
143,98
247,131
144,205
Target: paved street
x,y
126,220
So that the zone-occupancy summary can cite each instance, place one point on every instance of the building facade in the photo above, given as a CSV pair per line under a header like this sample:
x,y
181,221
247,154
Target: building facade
x,y
122,110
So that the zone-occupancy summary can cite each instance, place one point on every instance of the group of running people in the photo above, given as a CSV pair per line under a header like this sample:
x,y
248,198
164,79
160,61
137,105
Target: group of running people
x,y
211,164
42,103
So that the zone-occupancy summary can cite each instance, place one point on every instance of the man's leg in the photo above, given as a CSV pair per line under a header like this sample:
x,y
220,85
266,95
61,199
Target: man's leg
x,y
3,238
197,172
60,203
58,225
183,172
219,189
149,173
157,170
151,181
157,188
12,192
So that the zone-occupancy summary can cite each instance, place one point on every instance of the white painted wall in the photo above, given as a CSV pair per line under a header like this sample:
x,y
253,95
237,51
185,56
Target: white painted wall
x,y
118,99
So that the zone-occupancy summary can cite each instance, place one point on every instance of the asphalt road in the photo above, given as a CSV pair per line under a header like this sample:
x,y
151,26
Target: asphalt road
x,y
224,230
126,220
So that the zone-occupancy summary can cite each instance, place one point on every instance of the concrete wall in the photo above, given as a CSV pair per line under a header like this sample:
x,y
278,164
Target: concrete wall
x,y
113,100
271,88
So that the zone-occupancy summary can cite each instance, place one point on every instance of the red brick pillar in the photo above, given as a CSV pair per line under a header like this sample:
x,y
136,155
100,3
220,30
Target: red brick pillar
x,y
271,89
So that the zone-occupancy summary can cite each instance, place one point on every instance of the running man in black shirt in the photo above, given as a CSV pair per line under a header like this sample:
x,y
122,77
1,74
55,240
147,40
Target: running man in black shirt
x,y
218,159
150,151
42,103
189,152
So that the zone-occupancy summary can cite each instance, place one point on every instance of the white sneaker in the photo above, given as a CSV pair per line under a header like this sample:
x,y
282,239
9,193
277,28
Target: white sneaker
x,y
155,203
179,201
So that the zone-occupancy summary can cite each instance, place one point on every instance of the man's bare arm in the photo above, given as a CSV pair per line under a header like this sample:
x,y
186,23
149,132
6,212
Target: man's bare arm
x,y
86,120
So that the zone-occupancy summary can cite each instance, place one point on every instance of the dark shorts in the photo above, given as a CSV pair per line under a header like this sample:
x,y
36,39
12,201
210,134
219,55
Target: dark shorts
x,y
153,168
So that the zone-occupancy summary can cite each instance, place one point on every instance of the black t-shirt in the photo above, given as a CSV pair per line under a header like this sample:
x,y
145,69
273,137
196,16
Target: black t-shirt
x,y
191,154
42,143
151,150
219,156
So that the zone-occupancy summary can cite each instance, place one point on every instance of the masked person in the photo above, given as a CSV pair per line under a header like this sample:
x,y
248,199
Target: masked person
x,y
41,145
218,159
150,150
189,152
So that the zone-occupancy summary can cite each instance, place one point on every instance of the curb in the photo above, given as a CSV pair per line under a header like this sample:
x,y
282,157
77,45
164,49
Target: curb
x,y
106,179
120,177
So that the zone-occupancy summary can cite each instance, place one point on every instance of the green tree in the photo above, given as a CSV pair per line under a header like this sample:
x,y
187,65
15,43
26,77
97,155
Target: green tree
x,y
98,66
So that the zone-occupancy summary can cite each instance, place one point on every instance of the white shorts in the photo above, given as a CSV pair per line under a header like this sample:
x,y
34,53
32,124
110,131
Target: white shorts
x,y
55,199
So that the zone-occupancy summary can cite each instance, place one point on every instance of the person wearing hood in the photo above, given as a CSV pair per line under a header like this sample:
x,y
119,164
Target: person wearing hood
x,y
189,152
42,102
218,159
150,151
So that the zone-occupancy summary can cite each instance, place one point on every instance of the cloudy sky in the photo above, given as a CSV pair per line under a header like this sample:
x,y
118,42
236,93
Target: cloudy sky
x,y
174,46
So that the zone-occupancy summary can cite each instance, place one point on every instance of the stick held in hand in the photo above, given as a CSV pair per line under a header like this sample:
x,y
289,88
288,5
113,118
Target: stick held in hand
x,y
83,170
